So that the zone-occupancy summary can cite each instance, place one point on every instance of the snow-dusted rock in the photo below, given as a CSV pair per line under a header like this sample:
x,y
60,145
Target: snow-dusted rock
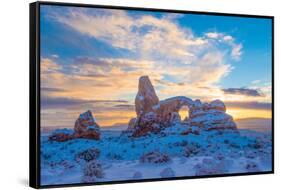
x,y
175,118
131,124
86,126
145,124
211,167
216,105
167,172
167,108
154,116
211,116
155,157
146,97
61,135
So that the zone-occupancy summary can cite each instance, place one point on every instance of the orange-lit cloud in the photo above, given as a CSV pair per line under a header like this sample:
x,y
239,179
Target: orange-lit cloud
x,y
177,61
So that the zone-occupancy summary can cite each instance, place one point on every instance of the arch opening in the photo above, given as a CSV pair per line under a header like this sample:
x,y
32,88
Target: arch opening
x,y
184,113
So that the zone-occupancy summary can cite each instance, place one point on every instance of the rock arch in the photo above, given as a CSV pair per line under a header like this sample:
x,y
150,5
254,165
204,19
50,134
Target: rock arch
x,y
168,109
154,115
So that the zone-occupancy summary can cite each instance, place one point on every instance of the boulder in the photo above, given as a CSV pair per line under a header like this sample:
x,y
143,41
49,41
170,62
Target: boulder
x,y
86,127
61,135
147,123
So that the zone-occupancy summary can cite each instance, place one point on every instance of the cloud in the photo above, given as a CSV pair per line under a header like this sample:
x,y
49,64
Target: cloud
x,y
158,43
213,35
49,66
50,89
249,105
152,36
62,112
118,77
236,51
125,106
178,62
58,102
236,48
242,91
228,38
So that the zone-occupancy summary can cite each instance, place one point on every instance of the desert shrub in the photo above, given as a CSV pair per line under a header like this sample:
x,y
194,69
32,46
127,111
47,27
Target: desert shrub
x,y
210,167
89,154
255,144
92,171
154,157
191,149
252,166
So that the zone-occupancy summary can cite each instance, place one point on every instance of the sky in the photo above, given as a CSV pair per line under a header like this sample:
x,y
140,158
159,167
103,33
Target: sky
x,y
91,59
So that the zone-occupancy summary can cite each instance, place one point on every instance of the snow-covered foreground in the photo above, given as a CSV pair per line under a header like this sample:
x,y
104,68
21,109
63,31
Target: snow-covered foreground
x,y
169,154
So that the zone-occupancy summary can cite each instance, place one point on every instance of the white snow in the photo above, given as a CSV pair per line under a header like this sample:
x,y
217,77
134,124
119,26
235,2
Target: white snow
x,y
215,152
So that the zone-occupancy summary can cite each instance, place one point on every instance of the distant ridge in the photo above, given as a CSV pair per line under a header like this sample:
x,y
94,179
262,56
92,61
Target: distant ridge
x,y
255,123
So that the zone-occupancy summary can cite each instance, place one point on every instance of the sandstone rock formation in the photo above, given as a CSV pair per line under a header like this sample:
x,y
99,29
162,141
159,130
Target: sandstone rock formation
x,y
60,137
86,126
146,97
210,116
168,109
154,115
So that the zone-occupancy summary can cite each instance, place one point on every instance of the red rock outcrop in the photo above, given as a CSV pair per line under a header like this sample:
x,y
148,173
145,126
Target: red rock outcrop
x,y
60,137
86,127
211,116
154,115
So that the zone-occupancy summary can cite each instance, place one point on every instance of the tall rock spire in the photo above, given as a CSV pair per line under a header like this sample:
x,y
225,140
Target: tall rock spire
x,y
146,97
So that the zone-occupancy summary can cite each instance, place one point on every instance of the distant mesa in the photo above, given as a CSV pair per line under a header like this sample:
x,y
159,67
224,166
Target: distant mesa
x,y
153,115
85,127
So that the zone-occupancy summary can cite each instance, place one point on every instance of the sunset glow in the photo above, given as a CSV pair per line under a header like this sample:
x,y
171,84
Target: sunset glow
x,y
96,64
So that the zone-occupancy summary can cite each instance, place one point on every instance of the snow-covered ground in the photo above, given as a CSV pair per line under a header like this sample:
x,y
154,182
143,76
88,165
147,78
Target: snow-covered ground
x,y
119,158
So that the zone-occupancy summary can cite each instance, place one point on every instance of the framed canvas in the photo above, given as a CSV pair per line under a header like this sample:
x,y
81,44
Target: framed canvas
x,y
125,94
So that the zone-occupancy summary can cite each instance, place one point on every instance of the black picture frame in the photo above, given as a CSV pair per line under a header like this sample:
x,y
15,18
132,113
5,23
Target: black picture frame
x,y
34,92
